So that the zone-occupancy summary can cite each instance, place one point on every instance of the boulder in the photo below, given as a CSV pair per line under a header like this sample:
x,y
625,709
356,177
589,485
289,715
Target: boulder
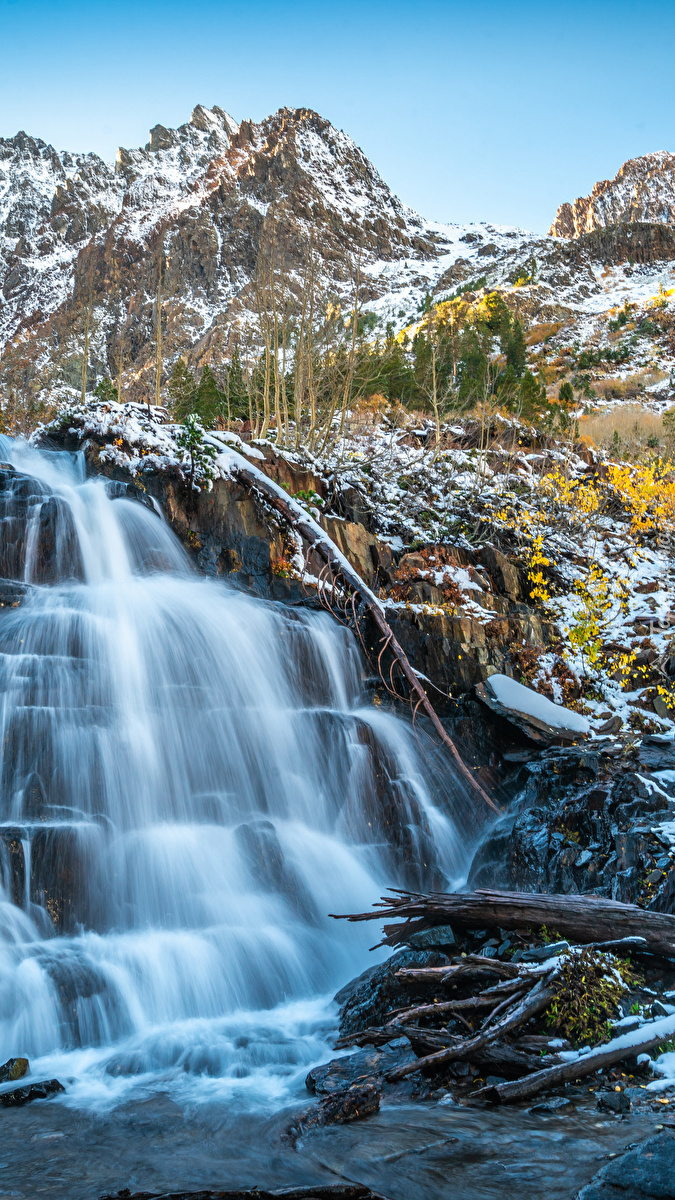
x,y
14,1068
539,718
646,1171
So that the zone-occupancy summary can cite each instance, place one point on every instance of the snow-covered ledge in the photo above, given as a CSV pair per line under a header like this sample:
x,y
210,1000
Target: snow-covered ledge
x,y
539,718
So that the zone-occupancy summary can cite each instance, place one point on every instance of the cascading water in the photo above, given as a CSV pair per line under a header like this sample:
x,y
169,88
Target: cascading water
x,y
191,782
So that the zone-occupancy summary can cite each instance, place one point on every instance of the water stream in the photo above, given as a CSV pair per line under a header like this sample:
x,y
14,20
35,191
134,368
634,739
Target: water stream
x,y
192,779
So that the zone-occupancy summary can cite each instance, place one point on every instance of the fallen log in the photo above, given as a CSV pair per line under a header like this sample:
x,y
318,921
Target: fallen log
x,y
587,919
535,1002
640,1041
340,568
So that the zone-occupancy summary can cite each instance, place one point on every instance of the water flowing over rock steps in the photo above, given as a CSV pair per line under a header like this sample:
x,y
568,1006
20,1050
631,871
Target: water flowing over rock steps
x,y
190,779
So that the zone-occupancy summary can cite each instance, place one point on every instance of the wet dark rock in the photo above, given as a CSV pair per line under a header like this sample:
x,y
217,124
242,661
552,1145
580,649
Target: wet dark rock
x,y
32,1091
646,1172
13,593
13,863
369,999
260,845
585,822
552,1105
615,1102
14,1068
351,1104
118,489
433,939
369,1064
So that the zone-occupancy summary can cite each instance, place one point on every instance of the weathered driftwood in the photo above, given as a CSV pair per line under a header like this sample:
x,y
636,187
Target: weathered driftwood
x,y
340,569
471,967
588,1064
587,919
465,1048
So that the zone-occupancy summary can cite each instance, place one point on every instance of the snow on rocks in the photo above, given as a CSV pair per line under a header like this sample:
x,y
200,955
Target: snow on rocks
x,y
539,718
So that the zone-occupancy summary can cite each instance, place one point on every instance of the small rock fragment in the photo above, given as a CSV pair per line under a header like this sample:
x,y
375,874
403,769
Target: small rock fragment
x,y
616,1102
14,1068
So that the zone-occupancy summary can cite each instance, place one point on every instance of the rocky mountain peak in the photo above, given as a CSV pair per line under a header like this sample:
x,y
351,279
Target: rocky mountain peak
x,y
643,189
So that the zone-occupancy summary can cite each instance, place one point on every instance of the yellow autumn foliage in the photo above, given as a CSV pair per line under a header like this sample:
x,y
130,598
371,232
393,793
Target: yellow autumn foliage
x,y
648,494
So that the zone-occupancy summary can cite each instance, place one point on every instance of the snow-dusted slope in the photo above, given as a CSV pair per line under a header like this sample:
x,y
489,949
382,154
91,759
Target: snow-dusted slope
x,y
51,204
643,189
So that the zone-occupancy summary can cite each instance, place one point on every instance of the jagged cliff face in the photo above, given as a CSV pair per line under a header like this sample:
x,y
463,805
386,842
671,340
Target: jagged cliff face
x,y
76,233
642,190
81,244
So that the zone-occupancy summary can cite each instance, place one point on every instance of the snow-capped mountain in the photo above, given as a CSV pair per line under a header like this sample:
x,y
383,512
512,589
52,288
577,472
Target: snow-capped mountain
x,y
206,193
79,236
643,189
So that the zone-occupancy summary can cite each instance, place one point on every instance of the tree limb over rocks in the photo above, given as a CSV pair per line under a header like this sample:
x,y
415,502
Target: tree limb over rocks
x,y
341,574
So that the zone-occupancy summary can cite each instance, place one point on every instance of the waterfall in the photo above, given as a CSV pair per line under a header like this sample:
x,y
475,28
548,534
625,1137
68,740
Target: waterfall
x,y
192,780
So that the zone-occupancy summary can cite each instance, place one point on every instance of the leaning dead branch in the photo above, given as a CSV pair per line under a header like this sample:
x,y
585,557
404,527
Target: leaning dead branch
x,y
342,575
535,1002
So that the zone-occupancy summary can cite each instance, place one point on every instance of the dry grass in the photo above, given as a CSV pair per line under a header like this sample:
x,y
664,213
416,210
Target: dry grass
x,y
537,333
626,389
628,429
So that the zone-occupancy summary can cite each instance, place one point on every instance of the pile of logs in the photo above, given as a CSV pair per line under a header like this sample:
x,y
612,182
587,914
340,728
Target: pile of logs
x,y
491,1012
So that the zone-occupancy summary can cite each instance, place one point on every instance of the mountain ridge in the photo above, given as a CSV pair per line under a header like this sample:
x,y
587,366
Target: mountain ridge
x,y
201,203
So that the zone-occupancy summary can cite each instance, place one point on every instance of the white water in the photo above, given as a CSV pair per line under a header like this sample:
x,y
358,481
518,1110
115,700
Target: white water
x,y
191,782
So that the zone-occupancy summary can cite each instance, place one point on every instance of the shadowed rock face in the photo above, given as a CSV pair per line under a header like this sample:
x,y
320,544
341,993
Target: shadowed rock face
x,y
37,537
643,190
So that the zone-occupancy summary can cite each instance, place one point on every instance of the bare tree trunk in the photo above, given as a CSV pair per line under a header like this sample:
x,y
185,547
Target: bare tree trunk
x,y
434,392
300,364
341,390
87,313
158,340
284,346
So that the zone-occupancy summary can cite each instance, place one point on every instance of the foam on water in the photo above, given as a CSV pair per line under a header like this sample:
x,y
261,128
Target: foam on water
x,y
191,782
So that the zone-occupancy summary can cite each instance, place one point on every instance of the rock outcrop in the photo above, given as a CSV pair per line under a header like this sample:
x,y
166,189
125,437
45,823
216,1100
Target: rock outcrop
x,y
643,190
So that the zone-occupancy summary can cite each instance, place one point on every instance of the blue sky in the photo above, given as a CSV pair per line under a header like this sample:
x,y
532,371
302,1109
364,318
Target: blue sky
x,y
490,111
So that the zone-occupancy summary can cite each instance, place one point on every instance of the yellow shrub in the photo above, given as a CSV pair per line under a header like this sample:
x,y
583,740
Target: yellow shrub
x,y
647,492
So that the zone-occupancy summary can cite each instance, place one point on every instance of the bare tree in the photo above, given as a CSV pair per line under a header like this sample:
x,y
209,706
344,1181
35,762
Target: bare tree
x,y
158,328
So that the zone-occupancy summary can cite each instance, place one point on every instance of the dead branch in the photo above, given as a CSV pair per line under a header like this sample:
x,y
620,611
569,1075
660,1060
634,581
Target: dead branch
x,y
523,1009
491,995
